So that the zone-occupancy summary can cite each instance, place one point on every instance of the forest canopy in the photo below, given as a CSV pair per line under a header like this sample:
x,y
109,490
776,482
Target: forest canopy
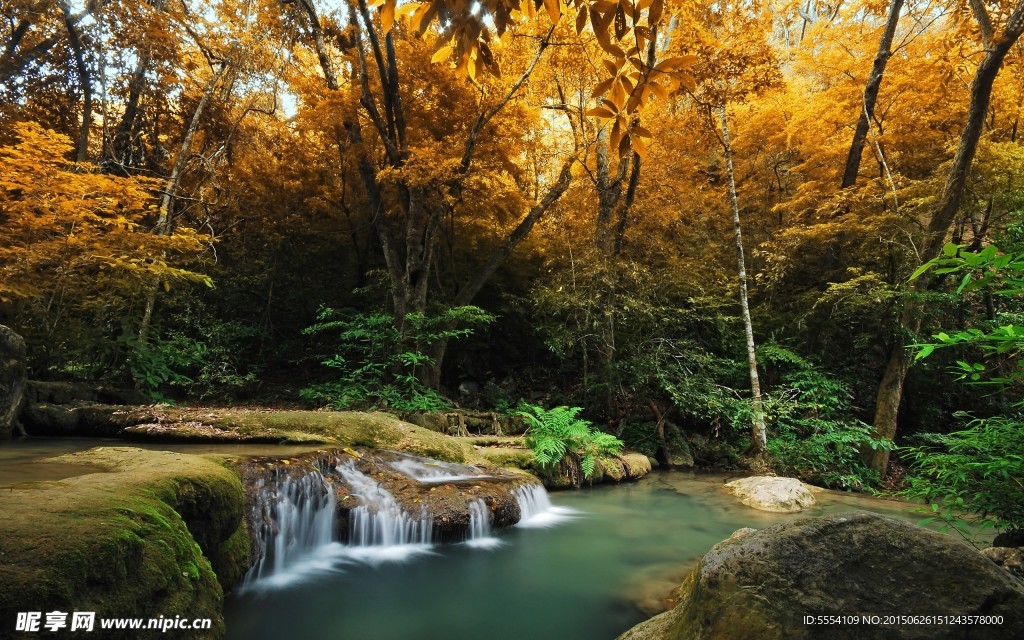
x,y
686,217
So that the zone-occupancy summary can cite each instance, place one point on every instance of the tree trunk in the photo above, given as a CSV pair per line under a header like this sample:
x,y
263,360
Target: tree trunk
x,y
759,429
12,380
431,376
890,391
84,76
121,149
165,220
871,95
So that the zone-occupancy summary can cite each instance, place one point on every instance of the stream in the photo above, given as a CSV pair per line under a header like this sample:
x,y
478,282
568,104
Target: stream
x,y
604,561
589,566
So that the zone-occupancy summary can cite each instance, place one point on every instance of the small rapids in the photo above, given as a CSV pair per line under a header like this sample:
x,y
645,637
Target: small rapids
x,y
379,529
429,471
479,534
295,528
298,519
536,510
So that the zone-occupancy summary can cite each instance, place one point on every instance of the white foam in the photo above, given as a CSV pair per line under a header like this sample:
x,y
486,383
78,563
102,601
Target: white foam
x,y
550,518
396,553
321,561
536,510
489,542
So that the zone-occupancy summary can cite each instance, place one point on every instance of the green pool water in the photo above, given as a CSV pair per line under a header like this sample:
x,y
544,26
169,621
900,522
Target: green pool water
x,y
592,576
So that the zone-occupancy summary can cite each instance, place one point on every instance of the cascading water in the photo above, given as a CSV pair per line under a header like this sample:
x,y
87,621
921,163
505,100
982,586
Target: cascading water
x,y
294,524
536,510
293,517
479,533
379,528
429,471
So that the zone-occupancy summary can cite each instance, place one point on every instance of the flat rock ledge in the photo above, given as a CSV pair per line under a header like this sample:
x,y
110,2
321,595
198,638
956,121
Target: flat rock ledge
x,y
778,495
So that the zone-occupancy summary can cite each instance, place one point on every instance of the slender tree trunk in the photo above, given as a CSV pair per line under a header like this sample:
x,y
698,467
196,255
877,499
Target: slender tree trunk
x,y
12,380
759,429
874,82
476,282
121,148
890,391
84,76
165,219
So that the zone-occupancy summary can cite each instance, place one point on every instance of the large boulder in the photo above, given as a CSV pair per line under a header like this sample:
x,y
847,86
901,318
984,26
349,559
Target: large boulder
x,y
766,493
12,378
846,576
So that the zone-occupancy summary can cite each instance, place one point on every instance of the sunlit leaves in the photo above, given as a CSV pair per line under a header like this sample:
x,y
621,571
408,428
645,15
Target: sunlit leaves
x,y
67,227
624,30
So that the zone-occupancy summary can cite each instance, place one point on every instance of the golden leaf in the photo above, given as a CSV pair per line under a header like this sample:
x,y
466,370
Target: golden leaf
x,y
554,8
441,54
387,15
600,112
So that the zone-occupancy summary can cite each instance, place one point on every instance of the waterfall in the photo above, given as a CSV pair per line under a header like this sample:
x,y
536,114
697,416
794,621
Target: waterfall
x,y
479,534
536,510
293,520
379,528
293,513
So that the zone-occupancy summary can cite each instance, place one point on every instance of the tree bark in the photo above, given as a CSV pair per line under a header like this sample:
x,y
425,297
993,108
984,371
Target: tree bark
x,y
758,427
84,76
12,380
165,219
871,88
890,390
466,293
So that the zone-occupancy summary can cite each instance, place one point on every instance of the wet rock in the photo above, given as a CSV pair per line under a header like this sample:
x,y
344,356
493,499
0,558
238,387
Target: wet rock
x,y
568,474
764,585
675,453
778,495
433,421
1009,558
81,418
58,392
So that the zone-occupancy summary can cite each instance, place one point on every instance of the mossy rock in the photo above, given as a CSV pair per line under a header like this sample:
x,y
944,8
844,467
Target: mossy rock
x,y
135,541
515,457
344,428
762,585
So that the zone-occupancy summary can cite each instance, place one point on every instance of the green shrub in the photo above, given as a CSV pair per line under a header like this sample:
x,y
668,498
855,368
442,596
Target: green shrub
x,y
977,474
378,365
560,432
979,469
812,434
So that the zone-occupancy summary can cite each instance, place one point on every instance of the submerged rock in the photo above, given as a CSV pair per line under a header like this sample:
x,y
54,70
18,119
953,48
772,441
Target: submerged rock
x,y
779,495
797,580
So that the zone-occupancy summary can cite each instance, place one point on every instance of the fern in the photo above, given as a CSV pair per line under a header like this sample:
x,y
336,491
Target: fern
x,y
555,433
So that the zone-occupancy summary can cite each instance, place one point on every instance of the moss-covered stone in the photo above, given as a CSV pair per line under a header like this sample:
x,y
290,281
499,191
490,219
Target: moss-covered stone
x,y
761,585
344,428
130,542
